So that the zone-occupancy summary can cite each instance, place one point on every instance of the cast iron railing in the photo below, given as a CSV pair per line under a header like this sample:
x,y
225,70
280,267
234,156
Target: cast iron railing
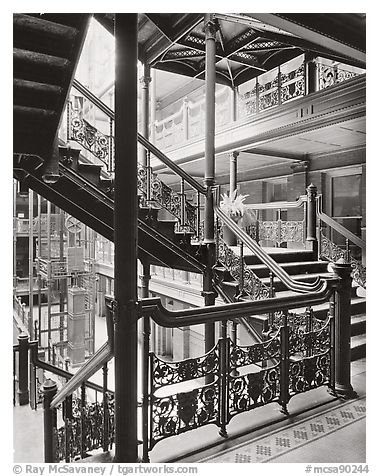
x,y
298,354
153,190
250,243
277,231
330,251
271,89
84,419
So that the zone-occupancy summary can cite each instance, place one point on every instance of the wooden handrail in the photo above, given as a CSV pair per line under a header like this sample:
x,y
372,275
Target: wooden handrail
x,y
95,363
142,140
338,227
276,205
153,307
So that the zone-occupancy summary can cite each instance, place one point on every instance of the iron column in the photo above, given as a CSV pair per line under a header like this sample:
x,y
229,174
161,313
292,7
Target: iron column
x,y
125,238
31,288
233,170
209,176
145,82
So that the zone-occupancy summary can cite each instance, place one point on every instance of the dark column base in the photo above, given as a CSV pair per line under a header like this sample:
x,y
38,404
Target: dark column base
x,y
345,392
23,397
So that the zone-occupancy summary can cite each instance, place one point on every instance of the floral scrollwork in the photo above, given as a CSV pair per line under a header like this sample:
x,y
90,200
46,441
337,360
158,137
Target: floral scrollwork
x,y
168,373
254,389
89,137
185,411
252,285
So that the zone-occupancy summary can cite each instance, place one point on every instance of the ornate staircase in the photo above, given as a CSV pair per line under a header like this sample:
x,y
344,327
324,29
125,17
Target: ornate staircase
x,y
47,48
302,266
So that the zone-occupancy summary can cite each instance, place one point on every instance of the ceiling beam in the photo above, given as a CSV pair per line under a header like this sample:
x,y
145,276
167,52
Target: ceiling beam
x,y
165,42
316,37
273,153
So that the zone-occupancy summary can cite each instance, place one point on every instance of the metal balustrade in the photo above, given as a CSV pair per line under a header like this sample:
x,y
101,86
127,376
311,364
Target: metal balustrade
x,y
330,251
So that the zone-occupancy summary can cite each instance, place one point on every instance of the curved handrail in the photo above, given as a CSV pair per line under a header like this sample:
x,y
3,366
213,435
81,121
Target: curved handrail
x,y
291,284
338,227
101,357
244,320
153,307
276,205
142,140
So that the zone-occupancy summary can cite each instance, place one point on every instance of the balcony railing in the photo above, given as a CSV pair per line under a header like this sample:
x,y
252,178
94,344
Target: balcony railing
x,y
278,86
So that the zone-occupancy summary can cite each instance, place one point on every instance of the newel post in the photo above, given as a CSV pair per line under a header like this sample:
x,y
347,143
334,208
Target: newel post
x,y
23,365
311,217
49,389
342,323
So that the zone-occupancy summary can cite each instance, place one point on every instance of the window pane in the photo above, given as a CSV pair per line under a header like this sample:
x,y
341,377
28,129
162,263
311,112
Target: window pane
x,y
346,196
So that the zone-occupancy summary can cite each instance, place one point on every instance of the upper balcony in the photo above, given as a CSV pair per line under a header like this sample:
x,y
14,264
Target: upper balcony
x,y
275,105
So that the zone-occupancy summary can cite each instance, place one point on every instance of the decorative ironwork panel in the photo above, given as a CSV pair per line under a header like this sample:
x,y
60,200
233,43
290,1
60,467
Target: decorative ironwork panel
x,y
142,179
291,232
269,230
253,390
247,103
246,355
359,272
89,137
292,84
182,412
191,215
332,252
165,197
168,373
308,373
252,285
91,421
314,342
252,230
329,75
268,94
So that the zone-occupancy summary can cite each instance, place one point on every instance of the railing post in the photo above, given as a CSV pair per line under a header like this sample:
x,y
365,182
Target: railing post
x,y
185,118
49,389
105,409
23,359
310,73
67,413
284,364
311,217
182,205
224,370
83,428
342,323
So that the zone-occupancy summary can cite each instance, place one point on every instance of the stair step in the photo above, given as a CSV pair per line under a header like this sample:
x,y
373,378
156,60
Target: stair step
x,y
36,94
308,267
37,34
27,23
305,278
39,67
358,347
280,255
358,324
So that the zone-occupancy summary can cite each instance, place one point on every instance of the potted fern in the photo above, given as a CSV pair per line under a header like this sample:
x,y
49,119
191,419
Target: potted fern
x,y
233,205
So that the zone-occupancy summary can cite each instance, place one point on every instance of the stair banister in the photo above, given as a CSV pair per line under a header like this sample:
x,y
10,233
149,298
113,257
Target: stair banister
x,y
277,205
142,140
153,307
95,363
338,227
265,258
